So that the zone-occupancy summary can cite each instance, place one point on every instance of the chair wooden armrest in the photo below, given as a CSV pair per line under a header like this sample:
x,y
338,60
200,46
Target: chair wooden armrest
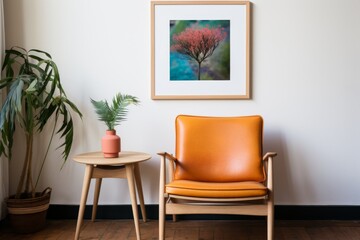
x,y
171,167
268,157
168,156
269,154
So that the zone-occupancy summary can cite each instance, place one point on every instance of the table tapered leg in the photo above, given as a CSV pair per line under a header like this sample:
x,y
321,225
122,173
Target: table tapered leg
x,y
130,179
84,193
96,198
139,190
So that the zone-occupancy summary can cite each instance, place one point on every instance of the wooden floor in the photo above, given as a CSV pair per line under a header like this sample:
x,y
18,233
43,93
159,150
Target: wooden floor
x,y
204,230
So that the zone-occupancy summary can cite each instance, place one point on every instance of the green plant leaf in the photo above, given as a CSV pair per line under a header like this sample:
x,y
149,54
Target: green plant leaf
x,y
73,106
114,114
103,111
35,96
37,58
31,87
45,115
69,134
64,111
16,53
5,82
40,51
15,96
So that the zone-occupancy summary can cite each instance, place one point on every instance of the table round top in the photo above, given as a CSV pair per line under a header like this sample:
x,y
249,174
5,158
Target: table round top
x,y
125,157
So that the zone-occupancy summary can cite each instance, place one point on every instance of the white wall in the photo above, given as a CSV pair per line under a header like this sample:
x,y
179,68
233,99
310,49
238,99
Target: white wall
x,y
305,83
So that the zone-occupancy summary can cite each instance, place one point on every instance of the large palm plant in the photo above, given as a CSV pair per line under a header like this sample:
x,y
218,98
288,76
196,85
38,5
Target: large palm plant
x,y
34,95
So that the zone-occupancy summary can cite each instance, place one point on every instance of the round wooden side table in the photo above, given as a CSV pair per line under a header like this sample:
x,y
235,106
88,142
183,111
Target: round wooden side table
x,y
124,166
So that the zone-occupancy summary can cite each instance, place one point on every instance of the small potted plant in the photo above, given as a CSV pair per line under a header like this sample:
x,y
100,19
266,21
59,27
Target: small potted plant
x,y
34,96
112,115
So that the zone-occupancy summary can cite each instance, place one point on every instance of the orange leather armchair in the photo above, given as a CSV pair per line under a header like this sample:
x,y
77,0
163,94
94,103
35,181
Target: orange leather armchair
x,y
218,161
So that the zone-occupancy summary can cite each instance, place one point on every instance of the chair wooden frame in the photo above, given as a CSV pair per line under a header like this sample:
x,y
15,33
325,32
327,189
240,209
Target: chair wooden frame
x,y
175,204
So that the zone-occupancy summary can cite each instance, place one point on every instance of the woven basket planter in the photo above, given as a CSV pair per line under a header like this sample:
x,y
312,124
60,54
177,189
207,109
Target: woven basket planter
x,y
28,215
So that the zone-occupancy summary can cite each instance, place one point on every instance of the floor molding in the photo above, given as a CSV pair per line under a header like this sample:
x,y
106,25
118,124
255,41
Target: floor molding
x,y
282,212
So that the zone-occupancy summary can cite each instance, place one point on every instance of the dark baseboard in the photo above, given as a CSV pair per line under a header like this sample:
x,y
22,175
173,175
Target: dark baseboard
x,y
317,212
282,212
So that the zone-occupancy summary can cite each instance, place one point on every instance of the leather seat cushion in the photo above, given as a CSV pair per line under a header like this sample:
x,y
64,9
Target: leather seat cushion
x,y
216,190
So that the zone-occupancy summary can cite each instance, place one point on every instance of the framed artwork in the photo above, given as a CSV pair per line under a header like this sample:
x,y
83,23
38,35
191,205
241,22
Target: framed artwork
x,y
200,50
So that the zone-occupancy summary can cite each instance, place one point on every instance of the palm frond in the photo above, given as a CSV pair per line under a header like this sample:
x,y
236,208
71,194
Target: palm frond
x,y
116,113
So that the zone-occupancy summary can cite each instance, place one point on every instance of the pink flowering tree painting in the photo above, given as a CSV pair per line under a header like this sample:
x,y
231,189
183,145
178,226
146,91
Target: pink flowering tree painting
x,y
198,44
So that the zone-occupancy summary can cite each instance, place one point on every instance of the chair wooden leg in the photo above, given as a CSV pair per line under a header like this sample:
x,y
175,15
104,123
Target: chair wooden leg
x,y
270,203
174,216
162,218
270,228
162,207
96,198
270,220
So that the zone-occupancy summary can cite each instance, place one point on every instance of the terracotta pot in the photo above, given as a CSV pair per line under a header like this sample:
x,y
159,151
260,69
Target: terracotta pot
x,y
111,144
28,215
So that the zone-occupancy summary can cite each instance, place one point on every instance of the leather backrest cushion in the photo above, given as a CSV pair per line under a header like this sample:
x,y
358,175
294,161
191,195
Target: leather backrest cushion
x,y
219,149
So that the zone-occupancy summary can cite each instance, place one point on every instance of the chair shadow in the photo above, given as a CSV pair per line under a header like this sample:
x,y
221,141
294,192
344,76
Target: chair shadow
x,y
284,182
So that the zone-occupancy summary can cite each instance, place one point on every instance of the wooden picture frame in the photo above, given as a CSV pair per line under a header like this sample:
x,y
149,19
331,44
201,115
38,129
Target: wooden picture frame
x,y
200,50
